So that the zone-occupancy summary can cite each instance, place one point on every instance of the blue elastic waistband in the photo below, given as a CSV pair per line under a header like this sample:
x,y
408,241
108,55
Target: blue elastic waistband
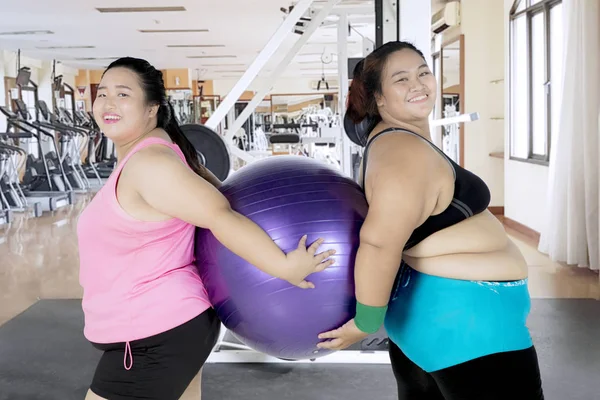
x,y
439,322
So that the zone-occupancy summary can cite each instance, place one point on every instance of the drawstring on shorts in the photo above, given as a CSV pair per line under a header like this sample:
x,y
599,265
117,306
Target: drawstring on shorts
x,y
127,351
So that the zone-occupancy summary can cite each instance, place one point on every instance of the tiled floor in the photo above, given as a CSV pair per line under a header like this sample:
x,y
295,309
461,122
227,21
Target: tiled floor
x,y
38,259
548,279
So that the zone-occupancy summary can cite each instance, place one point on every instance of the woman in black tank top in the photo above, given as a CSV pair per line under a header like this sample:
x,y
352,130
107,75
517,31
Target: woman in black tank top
x,y
450,339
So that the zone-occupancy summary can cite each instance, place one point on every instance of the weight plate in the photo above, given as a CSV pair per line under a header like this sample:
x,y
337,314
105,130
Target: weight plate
x,y
212,149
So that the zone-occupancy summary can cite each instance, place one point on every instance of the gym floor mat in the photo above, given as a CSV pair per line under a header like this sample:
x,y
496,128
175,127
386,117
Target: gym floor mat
x,y
43,355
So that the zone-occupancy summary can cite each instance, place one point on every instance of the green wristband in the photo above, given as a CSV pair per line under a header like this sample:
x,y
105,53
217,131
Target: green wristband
x,y
369,319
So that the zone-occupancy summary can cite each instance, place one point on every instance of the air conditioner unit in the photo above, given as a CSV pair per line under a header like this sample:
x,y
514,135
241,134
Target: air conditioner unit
x,y
447,17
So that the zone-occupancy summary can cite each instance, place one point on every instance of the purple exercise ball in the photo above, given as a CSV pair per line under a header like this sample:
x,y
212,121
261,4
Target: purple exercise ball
x,y
287,196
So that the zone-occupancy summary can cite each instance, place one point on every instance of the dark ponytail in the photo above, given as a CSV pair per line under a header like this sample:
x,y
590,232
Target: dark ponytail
x,y
358,103
153,84
360,118
167,121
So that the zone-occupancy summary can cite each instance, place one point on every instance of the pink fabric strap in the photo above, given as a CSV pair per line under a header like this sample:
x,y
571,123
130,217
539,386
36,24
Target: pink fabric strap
x,y
145,143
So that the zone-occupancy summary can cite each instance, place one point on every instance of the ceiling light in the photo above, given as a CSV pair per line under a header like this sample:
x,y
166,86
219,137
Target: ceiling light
x,y
95,58
65,47
194,45
172,30
318,73
28,33
211,56
313,54
139,9
223,65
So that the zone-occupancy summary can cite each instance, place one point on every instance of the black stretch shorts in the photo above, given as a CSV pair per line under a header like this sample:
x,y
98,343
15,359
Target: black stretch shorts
x,y
163,365
501,376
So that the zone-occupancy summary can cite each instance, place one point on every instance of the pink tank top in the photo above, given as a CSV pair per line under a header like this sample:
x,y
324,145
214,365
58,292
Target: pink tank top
x,y
138,277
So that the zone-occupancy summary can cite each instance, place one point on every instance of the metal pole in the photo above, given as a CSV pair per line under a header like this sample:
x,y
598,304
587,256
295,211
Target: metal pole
x,y
378,23
343,91
387,21
257,65
391,20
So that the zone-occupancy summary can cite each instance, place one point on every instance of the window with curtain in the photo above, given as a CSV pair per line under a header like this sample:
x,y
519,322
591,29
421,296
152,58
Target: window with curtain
x,y
536,60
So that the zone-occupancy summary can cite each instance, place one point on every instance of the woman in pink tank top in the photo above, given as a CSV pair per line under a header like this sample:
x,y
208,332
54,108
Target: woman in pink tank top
x,y
144,303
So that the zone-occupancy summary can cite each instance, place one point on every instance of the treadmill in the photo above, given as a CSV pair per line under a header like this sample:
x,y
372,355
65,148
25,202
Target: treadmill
x,y
12,197
49,189
70,155
5,212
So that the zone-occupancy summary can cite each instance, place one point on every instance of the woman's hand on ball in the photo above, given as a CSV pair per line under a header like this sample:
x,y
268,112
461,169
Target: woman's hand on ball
x,y
304,261
342,337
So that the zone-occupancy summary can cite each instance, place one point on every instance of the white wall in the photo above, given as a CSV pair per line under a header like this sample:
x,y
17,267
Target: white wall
x,y
44,83
525,193
526,184
415,18
483,28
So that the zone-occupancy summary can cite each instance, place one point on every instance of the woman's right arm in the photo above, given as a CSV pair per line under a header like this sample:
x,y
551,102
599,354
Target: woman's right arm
x,y
170,187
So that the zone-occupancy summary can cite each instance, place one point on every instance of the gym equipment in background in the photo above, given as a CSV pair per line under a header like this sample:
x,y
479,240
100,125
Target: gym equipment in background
x,y
44,181
72,140
287,196
96,164
211,149
12,198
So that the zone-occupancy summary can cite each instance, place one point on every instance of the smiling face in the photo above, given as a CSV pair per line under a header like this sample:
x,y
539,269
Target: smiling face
x,y
408,88
121,109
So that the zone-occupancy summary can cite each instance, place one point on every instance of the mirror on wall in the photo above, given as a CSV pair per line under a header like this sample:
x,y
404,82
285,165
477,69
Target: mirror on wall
x,y
305,109
182,101
204,107
452,97
262,114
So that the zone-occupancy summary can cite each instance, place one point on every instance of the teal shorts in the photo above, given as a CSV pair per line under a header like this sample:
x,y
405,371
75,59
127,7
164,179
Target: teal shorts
x,y
440,322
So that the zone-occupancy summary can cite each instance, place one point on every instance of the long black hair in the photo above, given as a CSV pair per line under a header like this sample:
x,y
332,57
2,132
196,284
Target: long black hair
x,y
153,85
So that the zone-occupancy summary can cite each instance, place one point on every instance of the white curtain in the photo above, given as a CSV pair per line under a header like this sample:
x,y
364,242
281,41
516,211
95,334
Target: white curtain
x,y
572,227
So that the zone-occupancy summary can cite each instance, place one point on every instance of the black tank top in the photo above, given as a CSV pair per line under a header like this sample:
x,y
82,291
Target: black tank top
x,y
471,195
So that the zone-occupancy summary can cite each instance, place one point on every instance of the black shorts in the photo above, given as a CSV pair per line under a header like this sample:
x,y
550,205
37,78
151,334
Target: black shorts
x,y
163,364
500,376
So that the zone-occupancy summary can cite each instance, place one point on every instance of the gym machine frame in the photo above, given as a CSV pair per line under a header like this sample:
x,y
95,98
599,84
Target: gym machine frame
x,y
387,28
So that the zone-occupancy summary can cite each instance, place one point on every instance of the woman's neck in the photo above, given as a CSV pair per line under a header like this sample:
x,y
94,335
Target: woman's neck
x,y
124,148
419,127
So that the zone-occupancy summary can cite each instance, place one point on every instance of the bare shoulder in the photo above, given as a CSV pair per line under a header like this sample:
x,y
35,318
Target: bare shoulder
x,y
156,168
400,143
402,155
155,156
401,181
